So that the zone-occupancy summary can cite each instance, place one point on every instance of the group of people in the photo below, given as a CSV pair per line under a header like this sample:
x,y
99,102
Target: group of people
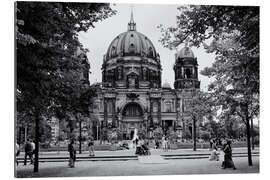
x,y
223,150
219,150
164,143
141,147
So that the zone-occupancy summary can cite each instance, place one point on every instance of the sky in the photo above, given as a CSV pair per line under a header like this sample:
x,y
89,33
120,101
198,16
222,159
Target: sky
x,y
147,18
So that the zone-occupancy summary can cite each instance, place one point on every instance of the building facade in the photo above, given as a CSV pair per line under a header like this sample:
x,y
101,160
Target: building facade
x,y
131,94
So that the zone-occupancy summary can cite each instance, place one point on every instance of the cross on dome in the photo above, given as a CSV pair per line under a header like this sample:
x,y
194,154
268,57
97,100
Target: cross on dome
x,y
131,24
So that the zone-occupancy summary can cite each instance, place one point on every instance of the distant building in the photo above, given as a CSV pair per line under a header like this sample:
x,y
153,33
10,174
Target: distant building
x,y
54,124
131,94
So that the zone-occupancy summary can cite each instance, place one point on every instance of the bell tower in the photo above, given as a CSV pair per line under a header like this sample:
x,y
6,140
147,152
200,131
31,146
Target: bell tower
x,y
186,69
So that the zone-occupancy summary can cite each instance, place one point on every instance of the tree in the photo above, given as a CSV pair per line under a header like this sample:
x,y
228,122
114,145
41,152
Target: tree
x,y
48,69
199,107
234,35
212,126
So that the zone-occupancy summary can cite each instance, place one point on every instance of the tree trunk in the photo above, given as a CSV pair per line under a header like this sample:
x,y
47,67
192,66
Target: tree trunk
x,y
252,133
80,138
36,141
194,134
248,136
25,132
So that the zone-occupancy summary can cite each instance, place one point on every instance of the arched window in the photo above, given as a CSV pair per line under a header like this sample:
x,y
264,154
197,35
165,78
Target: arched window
x,y
168,106
151,53
132,110
155,107
113,51
110,108
188,73
131,48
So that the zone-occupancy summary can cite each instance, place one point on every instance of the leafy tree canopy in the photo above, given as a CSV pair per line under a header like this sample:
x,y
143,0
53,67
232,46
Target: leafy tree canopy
x,y
49,65
233,33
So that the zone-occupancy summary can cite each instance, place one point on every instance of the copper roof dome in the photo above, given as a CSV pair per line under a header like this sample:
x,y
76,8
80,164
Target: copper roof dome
x,y
131,43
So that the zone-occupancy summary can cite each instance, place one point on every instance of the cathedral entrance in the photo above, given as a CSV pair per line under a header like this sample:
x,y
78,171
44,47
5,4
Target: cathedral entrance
x,y
167,125
132,119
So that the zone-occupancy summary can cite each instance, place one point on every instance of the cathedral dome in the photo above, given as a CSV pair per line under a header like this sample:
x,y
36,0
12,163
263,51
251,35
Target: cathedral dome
x,y
185,52
131,43
131,61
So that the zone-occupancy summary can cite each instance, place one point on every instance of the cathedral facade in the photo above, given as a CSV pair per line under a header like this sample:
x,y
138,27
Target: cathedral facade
x,y
132,96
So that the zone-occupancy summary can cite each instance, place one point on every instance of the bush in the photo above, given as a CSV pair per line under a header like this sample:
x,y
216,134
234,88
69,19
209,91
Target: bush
x,y
186,135
205,135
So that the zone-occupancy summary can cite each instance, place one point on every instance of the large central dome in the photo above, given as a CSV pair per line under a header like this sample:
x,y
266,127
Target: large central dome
x,y
131,61
131,43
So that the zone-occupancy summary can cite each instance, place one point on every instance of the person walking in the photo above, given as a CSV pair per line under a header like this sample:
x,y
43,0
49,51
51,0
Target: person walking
x,y
163,143
166,143
72,154
91,146
211,144
28,152
228,162
156,144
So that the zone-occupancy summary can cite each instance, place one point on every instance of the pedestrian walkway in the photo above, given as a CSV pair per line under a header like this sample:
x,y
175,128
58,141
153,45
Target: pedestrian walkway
x,y
131,168
152,159
131,152
127,155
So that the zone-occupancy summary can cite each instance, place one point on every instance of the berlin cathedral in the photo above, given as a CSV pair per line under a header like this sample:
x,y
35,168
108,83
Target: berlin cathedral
x,y
131,95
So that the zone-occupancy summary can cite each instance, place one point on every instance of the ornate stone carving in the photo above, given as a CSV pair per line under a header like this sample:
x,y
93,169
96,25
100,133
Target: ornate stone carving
x,y
133,96
119,71
144,73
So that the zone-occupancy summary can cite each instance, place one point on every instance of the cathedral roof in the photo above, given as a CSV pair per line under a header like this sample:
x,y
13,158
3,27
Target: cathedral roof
x,y
185,52
131,43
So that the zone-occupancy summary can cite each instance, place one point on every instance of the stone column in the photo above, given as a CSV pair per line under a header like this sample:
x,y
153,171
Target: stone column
x,y
159,111
177,109
151,111
114,123
105,112
182,71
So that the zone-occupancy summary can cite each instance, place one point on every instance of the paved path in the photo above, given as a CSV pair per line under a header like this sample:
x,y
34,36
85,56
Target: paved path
x,y
131,152
125,168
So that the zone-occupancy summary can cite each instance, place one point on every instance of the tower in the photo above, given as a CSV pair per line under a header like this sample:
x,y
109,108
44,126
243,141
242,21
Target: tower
x,y
186,69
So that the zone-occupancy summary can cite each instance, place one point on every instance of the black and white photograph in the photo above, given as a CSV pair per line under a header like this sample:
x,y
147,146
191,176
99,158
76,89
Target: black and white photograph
x,y
114,89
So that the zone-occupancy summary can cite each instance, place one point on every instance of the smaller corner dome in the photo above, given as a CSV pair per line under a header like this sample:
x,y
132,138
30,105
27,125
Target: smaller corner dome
x,y
185,52
166,85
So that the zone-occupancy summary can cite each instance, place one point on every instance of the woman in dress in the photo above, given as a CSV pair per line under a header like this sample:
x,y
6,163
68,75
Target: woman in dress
x,y
228,162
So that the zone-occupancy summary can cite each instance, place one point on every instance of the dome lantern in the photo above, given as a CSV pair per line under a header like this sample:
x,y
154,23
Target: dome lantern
x,y
131,24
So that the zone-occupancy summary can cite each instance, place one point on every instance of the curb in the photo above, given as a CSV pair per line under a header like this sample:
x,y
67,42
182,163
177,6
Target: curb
x,y
127,158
